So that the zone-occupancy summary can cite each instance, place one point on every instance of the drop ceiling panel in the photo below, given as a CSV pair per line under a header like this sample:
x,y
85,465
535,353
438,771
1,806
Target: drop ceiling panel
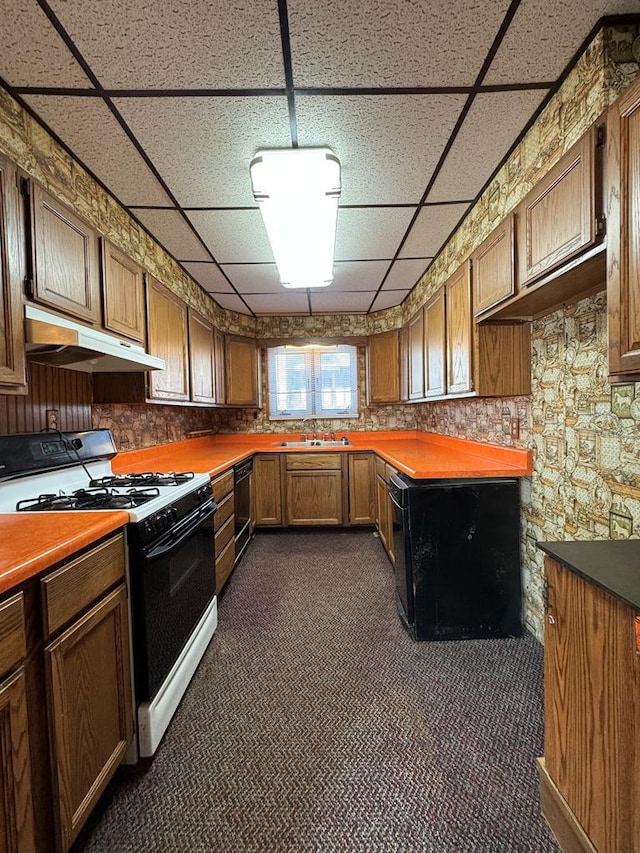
x,y
31,51
370,233
326,302
279,304
160,45
489,130
358,275
388,299
202,147
254,278
91,130
388,145
400,43
170,229
233,236
208,276
231,302
431,228
544,36
405,273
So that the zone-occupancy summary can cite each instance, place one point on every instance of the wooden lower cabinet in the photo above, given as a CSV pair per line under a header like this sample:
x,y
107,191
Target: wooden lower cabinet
x,y
313,489
361,488
222,487
267,490
384,510
590,774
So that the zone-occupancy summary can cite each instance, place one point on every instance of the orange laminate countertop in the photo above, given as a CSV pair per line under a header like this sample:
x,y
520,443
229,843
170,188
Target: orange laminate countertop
x,y
32,542
421,455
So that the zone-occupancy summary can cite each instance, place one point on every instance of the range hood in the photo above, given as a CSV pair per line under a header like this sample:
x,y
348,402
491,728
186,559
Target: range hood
x,y
60,342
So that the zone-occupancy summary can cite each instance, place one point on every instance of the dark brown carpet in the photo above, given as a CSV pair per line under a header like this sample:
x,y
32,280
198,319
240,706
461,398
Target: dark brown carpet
x,y
315,724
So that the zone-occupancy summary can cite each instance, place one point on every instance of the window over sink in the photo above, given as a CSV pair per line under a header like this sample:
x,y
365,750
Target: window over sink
x,y
313,380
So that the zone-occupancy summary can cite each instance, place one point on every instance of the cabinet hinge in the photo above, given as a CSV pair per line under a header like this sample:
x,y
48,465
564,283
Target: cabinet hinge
x,y
601,135
545,594
601,225
25,187
28,286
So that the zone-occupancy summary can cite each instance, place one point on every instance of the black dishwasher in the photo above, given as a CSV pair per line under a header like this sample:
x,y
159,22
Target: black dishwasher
x,y
457,557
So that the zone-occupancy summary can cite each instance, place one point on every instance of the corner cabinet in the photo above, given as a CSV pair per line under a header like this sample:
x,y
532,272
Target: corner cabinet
x,y
12,356
242,370
623,239
383,367
168,339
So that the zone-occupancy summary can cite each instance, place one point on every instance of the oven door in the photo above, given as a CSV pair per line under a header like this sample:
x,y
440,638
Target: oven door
x,y
172,583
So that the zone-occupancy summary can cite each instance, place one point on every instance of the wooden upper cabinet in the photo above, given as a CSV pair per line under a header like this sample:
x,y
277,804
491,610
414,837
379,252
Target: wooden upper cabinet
x,y
242,372
557,219
623,238
416,356
220,371
383,353
404,363
493,268
201,359
459,329
435,350
168,339
65,271
12,360
123,294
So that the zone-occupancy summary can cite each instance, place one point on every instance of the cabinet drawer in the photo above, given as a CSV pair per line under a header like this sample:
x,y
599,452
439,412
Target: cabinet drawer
x,y
13,646
223,535
315,461
222,485
224,511
224,564
72,588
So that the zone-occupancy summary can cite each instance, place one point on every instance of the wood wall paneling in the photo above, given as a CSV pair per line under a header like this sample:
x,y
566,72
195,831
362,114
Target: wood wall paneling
x,y
68,391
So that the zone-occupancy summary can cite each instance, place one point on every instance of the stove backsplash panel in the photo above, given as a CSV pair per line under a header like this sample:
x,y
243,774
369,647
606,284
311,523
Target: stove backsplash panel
x,y
66,391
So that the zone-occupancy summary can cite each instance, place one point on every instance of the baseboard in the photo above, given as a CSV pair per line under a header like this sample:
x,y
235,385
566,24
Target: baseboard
x,y
563,823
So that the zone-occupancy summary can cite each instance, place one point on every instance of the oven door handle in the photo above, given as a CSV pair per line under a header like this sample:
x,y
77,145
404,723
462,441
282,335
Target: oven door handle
x,y
394,501
170,543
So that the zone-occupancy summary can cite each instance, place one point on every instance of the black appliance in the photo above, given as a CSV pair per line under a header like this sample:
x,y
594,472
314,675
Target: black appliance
x,y
242,483
457,557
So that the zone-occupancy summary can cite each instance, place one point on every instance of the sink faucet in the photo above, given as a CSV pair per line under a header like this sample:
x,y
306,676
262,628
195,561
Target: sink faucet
x,y
314,434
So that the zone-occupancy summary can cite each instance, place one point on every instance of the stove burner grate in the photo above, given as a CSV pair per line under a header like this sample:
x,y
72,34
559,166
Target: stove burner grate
x,y
95,498
147,478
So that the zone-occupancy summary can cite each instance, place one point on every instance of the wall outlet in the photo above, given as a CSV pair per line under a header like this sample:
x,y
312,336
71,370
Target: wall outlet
x,y
515,427
52,418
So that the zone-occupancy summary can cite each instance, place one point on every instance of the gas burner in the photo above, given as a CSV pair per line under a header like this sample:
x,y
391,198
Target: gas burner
x,y
144,479
46,502
87,499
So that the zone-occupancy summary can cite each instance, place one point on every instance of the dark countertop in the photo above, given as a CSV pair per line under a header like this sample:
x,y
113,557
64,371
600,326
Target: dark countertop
x,y
611,564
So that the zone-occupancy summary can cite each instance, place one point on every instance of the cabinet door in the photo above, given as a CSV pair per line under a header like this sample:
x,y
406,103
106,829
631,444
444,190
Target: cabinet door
x,y
435,353
361,488
91,710
459,328
493,268
404,363
242,372
267,490
12,361
557,219
384,367
123,293
16,812
314,497
623,234
167,323
65,258
416,357
201,359
592,728
219,367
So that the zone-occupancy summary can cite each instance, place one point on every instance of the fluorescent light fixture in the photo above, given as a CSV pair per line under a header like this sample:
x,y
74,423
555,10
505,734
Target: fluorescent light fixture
x,y
297,190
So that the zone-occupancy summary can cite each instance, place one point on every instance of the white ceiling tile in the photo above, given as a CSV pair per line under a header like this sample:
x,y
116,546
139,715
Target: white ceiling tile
x,y
202,147
388,299
182,44
209,276
231,302
31,51
358,275
370,233
544,36
405,273
279,304
92,132
170,229
326,302
491,127
233,236
430,230
388,145
400,43
254,278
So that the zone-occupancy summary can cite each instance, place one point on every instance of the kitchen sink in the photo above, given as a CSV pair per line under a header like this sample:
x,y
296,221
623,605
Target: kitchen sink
x,y
317,442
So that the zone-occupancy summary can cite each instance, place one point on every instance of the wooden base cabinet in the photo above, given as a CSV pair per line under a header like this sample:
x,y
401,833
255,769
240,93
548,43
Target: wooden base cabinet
x,y
313,488
361,488
222,487
591,769
384,509
267,490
